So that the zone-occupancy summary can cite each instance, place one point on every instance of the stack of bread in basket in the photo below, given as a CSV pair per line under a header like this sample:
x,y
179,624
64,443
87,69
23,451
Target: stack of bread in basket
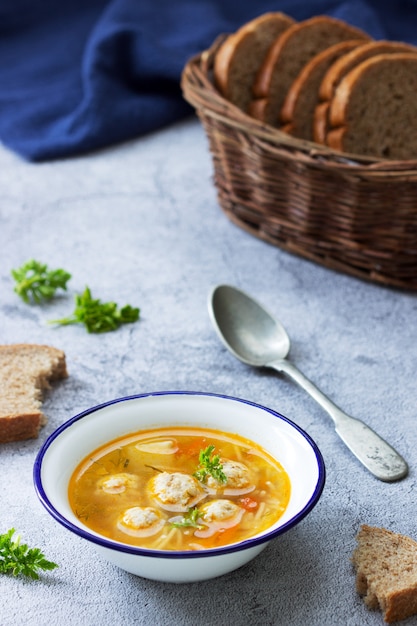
x,y
325,81
312,126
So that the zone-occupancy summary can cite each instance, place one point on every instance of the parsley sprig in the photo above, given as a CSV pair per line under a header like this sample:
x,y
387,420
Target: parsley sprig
x,y
189,519
35,282
17,558
98,316
209,465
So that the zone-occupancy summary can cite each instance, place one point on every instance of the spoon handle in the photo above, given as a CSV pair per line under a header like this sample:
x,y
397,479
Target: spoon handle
x,y
368,447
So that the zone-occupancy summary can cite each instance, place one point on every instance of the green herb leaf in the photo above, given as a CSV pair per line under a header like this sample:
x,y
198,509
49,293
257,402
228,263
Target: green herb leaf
x,y
17,558
210,466
189,520
36,283
97,316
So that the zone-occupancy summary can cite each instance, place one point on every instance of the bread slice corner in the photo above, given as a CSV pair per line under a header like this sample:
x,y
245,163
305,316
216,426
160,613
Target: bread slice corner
x,y
386,572
26,372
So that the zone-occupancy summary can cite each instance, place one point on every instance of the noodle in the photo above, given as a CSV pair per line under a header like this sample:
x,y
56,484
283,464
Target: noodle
x,y
164,539
238,453
260,511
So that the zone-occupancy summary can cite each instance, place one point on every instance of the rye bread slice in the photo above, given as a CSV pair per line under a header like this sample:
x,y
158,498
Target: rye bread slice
x,y
339,69
242,53
303,95
386,572
288,55
374,109
26,370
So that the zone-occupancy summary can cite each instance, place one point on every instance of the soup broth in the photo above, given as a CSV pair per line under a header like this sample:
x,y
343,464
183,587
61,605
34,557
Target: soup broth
x,y
179,489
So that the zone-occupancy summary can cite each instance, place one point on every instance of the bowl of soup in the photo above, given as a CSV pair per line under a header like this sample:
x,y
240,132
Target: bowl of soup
x,y
179,486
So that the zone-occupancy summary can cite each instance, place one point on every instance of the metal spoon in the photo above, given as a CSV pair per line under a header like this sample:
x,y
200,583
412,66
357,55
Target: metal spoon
x,y
256,338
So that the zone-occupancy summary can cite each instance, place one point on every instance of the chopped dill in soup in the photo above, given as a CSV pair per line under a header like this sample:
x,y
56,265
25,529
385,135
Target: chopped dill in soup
x,y
179,489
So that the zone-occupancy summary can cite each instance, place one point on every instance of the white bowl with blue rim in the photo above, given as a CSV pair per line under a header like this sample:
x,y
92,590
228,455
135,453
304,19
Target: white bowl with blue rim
x,y
85,432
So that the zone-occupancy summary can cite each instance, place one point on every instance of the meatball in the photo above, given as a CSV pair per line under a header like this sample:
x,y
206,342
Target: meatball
x,y
141,521
217,515
175,491
239,479
118,483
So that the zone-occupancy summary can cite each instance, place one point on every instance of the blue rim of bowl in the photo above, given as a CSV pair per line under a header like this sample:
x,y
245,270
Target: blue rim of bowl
x,y
178,554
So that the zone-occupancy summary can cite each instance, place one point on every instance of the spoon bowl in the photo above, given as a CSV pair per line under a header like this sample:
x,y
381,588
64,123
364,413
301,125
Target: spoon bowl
x,y
251,333
255,337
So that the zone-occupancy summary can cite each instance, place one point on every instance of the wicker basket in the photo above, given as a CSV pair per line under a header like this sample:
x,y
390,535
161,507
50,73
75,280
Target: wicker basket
x,y
353,214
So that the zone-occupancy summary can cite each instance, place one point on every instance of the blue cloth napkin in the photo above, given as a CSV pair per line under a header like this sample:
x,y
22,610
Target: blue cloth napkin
x,y
78,75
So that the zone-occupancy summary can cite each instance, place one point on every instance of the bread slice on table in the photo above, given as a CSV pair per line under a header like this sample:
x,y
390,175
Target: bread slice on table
x,y
339,69
386,572
303,95
240,56
374,109
26,370
288,55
